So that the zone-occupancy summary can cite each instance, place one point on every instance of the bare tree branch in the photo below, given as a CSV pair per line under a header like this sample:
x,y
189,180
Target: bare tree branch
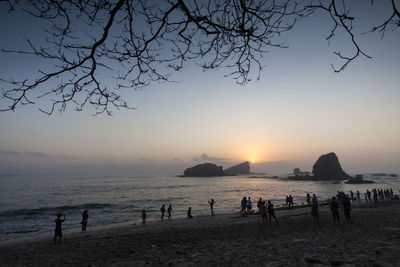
x,y
138,42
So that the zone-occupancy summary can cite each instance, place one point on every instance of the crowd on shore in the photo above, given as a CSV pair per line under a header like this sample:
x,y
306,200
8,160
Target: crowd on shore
x,y
266,208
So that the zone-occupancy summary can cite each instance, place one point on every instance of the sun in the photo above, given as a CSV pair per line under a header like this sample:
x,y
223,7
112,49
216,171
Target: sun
x,y
252,161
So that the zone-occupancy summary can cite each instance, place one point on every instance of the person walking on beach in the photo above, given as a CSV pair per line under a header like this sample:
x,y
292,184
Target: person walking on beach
x,y
211,203
58,230
162,212
290,201
347,209
189,213
271,213
334,206
144,216
369,195
315,213
358,196
85,217
351,195
287,201
169,210
249,205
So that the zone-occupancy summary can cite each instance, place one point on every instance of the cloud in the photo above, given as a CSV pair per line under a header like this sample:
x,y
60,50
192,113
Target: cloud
x,y
8,153
205,157
145,159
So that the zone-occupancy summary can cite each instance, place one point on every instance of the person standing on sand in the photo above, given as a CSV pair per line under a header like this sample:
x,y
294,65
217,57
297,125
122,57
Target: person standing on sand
x,y
315,213
169,210
308,199
259,203
271,213
211,203
244,204
263,212
162,212
346,209
334,206
85,217
249,205
189,213
58,230
144,216
358,196
369,195
290,201
287,201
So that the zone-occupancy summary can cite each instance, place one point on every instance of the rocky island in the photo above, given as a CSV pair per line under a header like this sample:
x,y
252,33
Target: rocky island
x,y
326,168
210,170
240,169
204,170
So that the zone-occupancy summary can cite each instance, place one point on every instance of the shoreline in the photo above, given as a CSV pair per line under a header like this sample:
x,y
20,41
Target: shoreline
x,y
180,239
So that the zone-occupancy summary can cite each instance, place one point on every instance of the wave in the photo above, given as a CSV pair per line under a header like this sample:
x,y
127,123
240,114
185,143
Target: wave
x,y
54,210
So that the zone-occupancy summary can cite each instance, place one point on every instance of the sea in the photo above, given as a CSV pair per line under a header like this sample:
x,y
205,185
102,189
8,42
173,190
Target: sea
x,y
29,204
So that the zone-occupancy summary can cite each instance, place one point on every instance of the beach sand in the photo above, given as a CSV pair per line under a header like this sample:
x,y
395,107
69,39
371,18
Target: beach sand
x,y
229,240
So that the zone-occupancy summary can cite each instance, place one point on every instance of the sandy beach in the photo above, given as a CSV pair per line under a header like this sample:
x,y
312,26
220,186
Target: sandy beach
x,y
228,239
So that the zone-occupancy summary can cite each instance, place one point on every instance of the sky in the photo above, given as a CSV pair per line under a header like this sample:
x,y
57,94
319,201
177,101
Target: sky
x,y
297,111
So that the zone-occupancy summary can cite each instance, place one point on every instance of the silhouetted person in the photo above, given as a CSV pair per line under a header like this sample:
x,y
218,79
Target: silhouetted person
x,y
169,210
271,213
249,205
391,193
263,212
308,199
290,201
287,201
314,198
375,193
144,216
259,203
162,212
351,195
334,206
365,197
243,204
315,213
369,195
358,197
85,217
211,203
58,230
189,213
346,209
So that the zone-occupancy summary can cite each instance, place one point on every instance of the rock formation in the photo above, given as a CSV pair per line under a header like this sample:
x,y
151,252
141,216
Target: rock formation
x,y
242,168
298,172
327,167
204,170
358,179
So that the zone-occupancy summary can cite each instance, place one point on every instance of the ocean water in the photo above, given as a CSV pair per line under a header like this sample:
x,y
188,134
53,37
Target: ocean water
x,y
28,204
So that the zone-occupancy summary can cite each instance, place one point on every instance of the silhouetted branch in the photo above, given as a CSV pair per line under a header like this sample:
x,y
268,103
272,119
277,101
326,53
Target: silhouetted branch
x,y
140,42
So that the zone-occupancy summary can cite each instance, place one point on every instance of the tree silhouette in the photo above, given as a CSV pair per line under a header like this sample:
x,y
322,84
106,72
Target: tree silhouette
x,y
138,42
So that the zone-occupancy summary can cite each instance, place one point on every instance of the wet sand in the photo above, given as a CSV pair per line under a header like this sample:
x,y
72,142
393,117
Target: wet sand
x,y
228,240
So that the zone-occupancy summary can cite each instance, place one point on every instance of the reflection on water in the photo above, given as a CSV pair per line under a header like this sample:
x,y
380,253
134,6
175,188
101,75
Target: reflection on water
x,y
28,203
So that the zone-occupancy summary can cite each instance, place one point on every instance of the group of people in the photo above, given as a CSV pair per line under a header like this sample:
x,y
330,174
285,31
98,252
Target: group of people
x,y
246,205
169,211
61,218
265,208
333,207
